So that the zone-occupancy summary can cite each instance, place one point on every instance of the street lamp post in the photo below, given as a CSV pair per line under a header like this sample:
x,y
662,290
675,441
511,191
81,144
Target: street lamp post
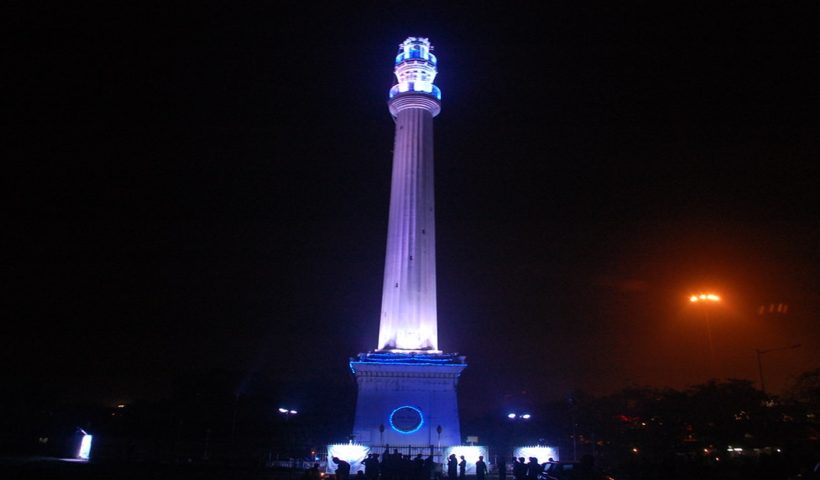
x,y
287,413
515,417
760,353
705,299
572,402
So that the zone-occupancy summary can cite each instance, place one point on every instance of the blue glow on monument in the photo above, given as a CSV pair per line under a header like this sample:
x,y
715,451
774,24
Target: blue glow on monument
x,y
416,68
406,419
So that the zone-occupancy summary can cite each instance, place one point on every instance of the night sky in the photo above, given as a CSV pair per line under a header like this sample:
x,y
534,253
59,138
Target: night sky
x,y
201,188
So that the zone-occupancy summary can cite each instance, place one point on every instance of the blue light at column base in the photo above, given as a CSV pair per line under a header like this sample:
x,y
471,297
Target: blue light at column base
x,y
407,431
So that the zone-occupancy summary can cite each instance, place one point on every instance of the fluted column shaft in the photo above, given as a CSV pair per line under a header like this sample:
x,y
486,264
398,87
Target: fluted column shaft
x,y
408,315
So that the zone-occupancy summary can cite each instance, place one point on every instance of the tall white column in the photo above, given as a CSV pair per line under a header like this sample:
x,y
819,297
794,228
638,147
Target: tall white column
x,y
408,315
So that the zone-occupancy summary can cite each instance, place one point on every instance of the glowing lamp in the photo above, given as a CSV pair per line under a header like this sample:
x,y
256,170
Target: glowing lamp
x,y
85,446
511,416
416,68
704,297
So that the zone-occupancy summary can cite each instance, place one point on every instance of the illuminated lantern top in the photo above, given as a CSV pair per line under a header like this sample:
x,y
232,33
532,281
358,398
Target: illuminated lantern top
x,y
415,68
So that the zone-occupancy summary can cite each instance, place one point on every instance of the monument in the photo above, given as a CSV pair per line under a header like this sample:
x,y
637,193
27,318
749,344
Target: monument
x,y
407,386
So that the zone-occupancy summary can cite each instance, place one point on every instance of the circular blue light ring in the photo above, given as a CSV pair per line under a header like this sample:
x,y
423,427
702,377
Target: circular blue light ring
x,y
406,432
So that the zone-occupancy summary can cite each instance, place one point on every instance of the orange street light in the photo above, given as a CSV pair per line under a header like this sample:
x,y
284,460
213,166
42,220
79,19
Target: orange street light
x,y
705,298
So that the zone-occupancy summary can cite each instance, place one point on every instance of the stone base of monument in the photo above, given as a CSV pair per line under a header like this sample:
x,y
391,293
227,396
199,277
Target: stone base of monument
x,y
407,399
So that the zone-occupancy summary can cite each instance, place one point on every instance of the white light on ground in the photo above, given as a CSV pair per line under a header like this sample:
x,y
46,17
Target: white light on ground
x,y
85,447
543,454
353,454
471,454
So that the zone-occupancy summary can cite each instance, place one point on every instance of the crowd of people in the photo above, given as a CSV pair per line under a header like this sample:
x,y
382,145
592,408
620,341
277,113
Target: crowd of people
x,y
528,470
397,466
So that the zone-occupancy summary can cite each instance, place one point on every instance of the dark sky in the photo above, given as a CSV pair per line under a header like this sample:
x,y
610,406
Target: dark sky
x,y
197,187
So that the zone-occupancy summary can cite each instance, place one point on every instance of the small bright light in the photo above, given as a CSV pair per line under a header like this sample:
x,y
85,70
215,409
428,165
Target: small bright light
x,y
635,450
283,410
511,415
85,447
526,416
693,298
293,412
122,405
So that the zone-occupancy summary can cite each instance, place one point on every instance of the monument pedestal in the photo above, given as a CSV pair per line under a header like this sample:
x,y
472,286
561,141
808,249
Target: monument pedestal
x,y
409,395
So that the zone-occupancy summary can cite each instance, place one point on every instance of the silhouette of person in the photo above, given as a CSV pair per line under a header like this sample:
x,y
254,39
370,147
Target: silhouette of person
x,y
462,468
405,471
418,467
452,467
533,469
480,468
519,468
313,473
428,467
371,466
549,466
397,467
342,469
501,463
385,465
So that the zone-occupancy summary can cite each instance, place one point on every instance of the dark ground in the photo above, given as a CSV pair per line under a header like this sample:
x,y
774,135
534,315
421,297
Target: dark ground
x,y
43,468
52,468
